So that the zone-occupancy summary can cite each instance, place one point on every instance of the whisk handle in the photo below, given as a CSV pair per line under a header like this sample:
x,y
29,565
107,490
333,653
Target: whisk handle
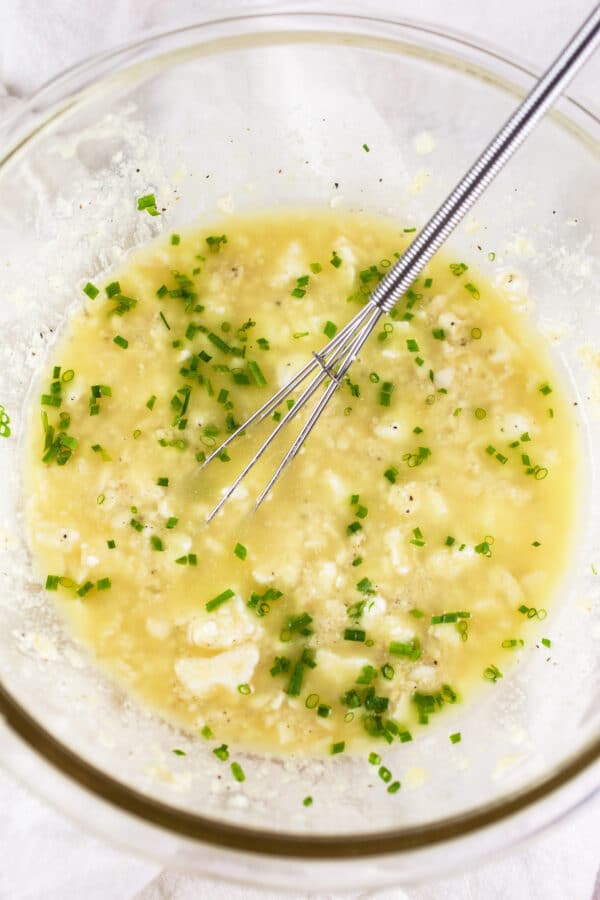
x,y
494,157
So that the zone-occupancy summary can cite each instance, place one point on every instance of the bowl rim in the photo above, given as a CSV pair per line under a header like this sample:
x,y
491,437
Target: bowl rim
x,y
53,98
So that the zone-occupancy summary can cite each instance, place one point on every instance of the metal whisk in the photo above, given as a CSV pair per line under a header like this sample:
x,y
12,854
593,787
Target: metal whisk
x,y
333,361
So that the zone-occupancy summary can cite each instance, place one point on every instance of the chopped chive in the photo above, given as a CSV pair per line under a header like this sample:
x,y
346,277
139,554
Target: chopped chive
x,y
417,613
336,261
330,329
355,634
480,413
256,373
113,289
308,801
206,732
412,345
219,599
222,752
91,290
456,737
492,673
171,522
146,202
156,543
474,291
374,759
237,772
163,481
438,334
103,584
175,239
179,752
512,642
428,282
366,148
394,787
215,242
52,582
111,544
121,342
391,474
151,401
338,747
450,541
458,268
410,649
384,774
240,551
546,642
315,268
85,588
545,389
244,689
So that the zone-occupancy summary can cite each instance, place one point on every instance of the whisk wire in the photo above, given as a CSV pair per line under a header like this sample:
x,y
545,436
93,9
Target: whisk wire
x,y
346,341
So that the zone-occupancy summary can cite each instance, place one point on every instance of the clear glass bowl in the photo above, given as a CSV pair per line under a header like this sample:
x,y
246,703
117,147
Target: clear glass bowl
x,y
257,112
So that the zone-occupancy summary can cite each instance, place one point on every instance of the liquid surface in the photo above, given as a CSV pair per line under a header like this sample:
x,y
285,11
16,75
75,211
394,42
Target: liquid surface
x,y
393,566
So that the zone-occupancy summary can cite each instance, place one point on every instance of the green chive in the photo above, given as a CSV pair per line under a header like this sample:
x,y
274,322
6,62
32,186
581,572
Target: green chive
x,y
91,290
456,737
256,373
146,202
237,772
222,752
355,634
156,543
171,522
103,584
308,801
330,329
175,238
492,673
121,342
474,291
240,551
219,599
338,747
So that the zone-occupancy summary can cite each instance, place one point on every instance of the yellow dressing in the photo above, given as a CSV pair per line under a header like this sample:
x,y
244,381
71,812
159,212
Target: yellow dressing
x,y
450,518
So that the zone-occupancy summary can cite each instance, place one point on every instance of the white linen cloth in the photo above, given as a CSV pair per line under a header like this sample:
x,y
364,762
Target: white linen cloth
x,y
43,856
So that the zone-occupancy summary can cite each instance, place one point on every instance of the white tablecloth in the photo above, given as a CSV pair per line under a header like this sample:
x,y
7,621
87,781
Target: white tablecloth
x,y
42,855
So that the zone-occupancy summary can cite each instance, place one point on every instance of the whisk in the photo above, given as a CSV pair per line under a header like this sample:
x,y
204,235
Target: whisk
x,y
332,363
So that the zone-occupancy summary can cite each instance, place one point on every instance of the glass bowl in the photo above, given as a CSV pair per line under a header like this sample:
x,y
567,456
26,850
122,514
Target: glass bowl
x,y
272,111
